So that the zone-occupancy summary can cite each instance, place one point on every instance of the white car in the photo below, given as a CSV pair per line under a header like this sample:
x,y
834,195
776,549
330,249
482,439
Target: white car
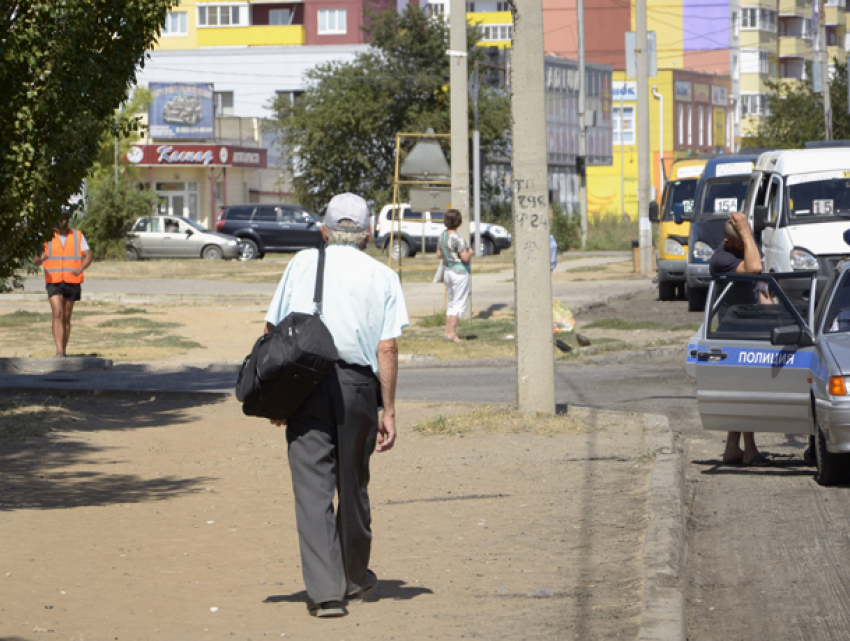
x,y
799,200
178,237
418,231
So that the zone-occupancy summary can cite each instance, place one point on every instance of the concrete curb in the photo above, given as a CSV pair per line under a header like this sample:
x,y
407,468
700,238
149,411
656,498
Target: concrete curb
x,y
665,545
52,365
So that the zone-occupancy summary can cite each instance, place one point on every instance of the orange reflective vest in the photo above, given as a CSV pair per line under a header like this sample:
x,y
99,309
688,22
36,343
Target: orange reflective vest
x,y
62,261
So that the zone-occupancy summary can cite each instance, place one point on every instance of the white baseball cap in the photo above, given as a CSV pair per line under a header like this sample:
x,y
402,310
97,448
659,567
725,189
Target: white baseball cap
x,y
347,206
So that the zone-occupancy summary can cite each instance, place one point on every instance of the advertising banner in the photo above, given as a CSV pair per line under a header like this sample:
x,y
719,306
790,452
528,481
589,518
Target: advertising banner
x,y
197,155
181,111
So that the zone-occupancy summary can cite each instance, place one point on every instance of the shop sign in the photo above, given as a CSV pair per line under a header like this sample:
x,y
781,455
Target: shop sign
x,y
197,155
683,90
701,93
625,91
181,110
719,96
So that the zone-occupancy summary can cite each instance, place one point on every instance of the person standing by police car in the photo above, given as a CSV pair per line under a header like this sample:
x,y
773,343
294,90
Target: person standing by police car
x,y
66,256
739,253
333,435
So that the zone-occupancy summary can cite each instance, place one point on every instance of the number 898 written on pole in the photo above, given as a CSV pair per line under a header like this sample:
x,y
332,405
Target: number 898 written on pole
x,y
526,206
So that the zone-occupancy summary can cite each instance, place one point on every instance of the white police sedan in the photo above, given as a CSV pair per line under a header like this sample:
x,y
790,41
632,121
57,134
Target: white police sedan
x,y
771,367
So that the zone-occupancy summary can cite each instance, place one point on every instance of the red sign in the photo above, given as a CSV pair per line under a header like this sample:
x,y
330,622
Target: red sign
x,y
165,155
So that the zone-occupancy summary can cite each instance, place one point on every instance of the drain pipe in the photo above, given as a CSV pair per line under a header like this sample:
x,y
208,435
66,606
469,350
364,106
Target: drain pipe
x,y
658,96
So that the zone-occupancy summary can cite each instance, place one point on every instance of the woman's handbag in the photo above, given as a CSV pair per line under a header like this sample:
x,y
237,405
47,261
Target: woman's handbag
x,y
289,362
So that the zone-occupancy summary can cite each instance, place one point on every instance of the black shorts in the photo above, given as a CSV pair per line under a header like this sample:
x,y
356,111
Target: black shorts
x,y
68,291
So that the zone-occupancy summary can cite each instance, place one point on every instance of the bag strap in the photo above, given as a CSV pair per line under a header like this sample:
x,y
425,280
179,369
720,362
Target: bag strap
x,y
320,281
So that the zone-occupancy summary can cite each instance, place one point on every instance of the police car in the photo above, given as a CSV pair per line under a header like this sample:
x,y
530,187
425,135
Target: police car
x,y
777,367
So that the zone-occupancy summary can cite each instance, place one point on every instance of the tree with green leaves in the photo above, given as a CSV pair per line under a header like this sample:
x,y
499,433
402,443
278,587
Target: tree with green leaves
x,y
796,112
65,66
113,195
342,130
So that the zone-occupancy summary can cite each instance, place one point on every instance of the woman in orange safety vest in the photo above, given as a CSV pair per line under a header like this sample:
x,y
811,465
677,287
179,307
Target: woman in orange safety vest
x,y
65,258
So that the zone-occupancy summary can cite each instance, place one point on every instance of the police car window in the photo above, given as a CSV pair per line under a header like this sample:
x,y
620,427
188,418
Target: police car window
x,y
838,316
266,214
680,191
817,197
747,310
724,197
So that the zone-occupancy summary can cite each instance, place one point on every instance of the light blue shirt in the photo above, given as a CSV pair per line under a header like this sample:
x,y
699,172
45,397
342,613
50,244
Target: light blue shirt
x,y
362,302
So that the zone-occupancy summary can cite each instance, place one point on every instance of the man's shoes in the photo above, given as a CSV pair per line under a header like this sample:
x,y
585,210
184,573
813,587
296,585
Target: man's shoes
x,y
327,609
365,591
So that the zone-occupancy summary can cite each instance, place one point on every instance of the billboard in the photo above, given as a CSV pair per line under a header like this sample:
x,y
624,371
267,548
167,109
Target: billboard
x,y
181,111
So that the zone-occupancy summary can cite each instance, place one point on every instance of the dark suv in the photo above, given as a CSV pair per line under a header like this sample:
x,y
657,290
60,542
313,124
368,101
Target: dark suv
x,y
269,228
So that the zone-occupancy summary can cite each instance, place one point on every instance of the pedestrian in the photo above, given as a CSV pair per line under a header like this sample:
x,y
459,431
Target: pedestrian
x,y
333,435
738,253
455,254
64,260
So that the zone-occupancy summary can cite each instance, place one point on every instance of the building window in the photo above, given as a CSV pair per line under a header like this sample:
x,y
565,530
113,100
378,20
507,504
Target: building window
x,y
223,103
736,25
708,126
175,24
437,8
755,61
497,32
690,125
222,15
754,104
470,7
505,6
288,97
624,123
280,17
331,21
758,19
701,128
681,125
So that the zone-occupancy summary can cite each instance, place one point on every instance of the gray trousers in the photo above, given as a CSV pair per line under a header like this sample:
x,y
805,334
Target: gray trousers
x,y
330,441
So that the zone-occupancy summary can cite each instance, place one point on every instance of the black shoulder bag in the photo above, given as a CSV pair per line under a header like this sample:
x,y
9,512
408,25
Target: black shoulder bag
x,y
289,362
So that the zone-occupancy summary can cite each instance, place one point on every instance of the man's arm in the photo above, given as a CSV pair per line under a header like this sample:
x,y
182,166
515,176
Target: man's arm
x,y
87,260
752,258
388,374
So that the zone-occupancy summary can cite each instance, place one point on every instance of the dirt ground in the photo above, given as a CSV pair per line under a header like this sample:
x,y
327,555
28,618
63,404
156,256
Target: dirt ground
x,y
171,517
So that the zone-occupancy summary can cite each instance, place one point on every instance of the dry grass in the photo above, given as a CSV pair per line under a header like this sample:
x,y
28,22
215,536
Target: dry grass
x,y
21,420
506,420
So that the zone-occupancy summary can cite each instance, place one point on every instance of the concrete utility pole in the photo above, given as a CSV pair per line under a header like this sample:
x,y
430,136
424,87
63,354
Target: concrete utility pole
x,y
459,112
824,70
532,282
642,64
582,124
476,160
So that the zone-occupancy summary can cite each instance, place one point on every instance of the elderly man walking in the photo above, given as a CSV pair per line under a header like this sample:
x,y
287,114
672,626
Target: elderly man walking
x,y
332,437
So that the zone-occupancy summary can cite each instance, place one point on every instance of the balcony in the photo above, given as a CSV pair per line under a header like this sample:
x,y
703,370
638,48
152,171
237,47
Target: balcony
x,y
835,15
793,47
795,8
754,82
258,36
755,39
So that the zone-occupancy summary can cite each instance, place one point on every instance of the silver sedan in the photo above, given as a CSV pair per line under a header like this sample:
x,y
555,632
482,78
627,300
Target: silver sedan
x,y
178,237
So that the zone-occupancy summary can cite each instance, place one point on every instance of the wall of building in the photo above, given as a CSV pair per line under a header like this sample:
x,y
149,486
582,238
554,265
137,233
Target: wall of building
x,y
606,22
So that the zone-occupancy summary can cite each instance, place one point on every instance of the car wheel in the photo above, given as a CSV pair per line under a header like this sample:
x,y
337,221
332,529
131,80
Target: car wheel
x,y
831,468
696,299
212,252
133,253
487,248
666,291
248,249
401,249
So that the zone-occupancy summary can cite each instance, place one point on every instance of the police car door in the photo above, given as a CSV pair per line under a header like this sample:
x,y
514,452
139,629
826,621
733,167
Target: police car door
x,y
745,383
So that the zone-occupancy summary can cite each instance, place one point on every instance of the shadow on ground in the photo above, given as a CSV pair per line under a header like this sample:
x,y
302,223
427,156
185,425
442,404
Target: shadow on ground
x,y
387,589
46,467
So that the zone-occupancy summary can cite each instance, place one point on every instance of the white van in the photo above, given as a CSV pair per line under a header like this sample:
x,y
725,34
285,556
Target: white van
x,y
800,201
417,231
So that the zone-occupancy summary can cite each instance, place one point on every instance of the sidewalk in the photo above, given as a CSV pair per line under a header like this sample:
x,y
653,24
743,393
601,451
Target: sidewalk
x,y
170,516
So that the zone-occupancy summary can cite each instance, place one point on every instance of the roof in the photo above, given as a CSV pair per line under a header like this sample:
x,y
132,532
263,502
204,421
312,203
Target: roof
x,y
798,161
731,165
